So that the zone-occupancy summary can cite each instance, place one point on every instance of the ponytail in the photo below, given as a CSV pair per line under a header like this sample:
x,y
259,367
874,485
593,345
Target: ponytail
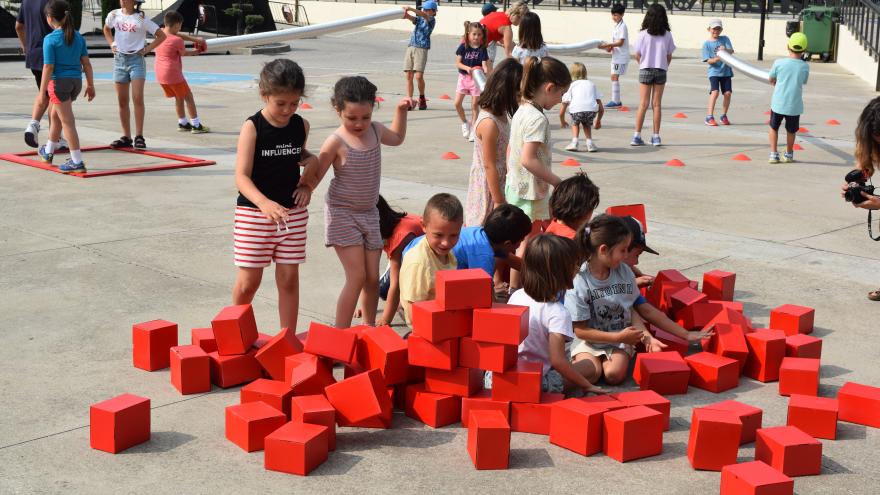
x,y
59,11
538,71
607,230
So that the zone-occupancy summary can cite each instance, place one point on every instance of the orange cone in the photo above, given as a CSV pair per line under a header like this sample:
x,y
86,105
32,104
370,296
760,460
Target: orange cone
x,y
570,162
680,116
803,130
305,106
444,96
624,109
741,158
450,156
675,162
798,147
767,112
379,99
832,122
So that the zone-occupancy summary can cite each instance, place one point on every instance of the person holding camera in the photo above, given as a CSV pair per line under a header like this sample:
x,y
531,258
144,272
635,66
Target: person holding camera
x,y
857,189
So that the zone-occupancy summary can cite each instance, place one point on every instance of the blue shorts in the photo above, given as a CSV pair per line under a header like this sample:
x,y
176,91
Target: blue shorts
x,y
724,84
792,122
128,68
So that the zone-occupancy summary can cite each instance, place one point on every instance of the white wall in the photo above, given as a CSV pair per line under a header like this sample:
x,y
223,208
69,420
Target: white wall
x,y
854,58
569,26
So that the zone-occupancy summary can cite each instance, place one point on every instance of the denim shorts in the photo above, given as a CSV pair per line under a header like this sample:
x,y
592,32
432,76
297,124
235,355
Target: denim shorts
x,y
128,68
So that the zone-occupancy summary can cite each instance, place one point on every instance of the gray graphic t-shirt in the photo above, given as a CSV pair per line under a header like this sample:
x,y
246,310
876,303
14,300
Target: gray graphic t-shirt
x,y
604,304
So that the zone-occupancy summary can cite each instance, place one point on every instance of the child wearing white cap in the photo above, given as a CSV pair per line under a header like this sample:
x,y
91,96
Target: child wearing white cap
x,y
720,74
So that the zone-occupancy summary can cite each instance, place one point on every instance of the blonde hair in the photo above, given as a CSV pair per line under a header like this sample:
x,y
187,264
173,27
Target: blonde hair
x,y
578,71
517,9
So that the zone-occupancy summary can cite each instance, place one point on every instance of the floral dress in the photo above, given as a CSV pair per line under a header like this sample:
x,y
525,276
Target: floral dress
x,y
479,197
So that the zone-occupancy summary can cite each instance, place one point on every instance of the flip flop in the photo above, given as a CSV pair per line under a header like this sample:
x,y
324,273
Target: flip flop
x,y
874,295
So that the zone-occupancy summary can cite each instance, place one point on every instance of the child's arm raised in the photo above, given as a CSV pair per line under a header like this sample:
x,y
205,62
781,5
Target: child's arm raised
x,y
533,164
394,135
559,361
488,133
244,165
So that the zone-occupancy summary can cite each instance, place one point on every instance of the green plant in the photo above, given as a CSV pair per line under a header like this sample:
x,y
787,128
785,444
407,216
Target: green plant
x,y
242,14
76,9
106,7
252,20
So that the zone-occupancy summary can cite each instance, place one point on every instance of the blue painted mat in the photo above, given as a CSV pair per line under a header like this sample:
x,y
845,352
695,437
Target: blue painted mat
x,y
191,77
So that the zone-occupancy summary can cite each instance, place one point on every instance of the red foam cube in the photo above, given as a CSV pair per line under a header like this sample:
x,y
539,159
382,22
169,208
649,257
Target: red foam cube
x,y
632,433
636,211
859,404
330,342
442,355
749,416
799,376
790,450
766,351
501,324
262,340
482,400
803,346
435,324
382,349
296,448
714,439
647,398
464,289
697,316
361,400
713,372
577,426
666,373
673,342
815,416
435,410
488,441
204,338
274,393
248,424
684,297
190,369
520,384
754,478
307,374
151,341
730,317
528,417
792,319
316,410
119,423
235,329
486,356
729,341
606,402
229,371
718,285
271,355
463,382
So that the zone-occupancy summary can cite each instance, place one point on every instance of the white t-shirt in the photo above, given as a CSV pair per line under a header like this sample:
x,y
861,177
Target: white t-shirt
x,y
620,54
581,96
130,30
522,54
544,318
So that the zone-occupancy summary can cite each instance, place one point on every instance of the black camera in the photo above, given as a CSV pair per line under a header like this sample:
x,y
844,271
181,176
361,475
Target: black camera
x,y
857,183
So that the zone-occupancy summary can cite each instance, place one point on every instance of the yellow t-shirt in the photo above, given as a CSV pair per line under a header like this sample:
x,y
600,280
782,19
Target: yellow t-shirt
x,y
417,273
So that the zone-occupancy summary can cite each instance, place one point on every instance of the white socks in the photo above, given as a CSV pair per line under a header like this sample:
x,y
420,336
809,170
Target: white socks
x,y
51,146
181,121
195,122
76,156
615,91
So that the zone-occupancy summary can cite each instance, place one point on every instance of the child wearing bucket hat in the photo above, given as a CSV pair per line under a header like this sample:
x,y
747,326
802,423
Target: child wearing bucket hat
x,y
788,76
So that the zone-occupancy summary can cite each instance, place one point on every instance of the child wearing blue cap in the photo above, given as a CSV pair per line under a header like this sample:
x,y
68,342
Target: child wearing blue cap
x,y
416,57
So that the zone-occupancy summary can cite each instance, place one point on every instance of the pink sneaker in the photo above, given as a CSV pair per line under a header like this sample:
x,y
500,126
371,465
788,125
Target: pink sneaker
x,y
710,121
724,120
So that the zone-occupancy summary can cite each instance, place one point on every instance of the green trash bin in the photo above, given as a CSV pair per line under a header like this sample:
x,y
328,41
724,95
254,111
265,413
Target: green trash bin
x,y
819,24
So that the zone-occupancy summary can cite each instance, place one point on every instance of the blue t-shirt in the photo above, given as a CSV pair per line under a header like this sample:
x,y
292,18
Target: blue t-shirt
x,y
788,95
472,57
421,35
473,250
710,49
65,58
32,15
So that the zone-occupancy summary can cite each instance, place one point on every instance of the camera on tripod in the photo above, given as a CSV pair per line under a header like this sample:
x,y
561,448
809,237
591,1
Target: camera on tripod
x,y
856,181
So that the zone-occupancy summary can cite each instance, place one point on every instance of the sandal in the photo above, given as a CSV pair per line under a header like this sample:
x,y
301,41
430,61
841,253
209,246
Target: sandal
x,y
123,142
874,295
139,142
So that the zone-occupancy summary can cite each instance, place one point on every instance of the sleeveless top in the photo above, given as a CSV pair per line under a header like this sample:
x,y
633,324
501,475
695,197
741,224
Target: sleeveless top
x,y
355,184
277,154
492,22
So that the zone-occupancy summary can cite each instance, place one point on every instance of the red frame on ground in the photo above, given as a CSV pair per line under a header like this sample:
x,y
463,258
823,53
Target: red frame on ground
x,y
181,162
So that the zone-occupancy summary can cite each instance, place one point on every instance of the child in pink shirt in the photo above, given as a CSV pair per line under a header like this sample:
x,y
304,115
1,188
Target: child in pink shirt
x,y
169,73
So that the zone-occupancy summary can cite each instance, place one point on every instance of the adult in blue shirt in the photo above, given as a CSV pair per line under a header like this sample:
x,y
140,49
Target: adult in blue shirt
x,y
31,28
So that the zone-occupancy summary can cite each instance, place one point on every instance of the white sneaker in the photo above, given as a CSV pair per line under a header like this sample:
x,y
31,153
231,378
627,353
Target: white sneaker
x,y
471,136
572,146
465,130
591,147
31,134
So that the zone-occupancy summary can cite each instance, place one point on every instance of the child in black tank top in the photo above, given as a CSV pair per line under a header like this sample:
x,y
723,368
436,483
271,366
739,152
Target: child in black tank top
x,y
271,211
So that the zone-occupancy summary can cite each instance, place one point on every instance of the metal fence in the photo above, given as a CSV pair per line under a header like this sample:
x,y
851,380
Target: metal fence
x,y
863,19
289,13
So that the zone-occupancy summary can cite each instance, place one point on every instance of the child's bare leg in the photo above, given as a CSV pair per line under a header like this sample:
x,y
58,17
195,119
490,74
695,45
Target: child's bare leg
x,y
713,97
615,367
575,130
420,81
774,138
247,281
475,110
178,107
656,101
789,141
644,101
124,110
137,98
55,130
589,366
409,84
726,103
352,259
64,112
370,291
287,281
459,107
588,132
190,105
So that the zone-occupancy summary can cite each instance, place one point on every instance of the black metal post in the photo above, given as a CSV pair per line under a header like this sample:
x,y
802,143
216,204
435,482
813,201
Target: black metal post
x,y
761,30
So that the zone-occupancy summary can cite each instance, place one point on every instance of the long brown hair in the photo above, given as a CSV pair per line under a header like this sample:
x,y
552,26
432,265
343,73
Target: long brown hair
x,y
867,132
539,71
499,97
59,11
548,266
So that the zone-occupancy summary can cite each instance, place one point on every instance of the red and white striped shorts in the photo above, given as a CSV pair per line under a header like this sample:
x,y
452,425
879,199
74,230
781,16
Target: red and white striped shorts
x,y
259,241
